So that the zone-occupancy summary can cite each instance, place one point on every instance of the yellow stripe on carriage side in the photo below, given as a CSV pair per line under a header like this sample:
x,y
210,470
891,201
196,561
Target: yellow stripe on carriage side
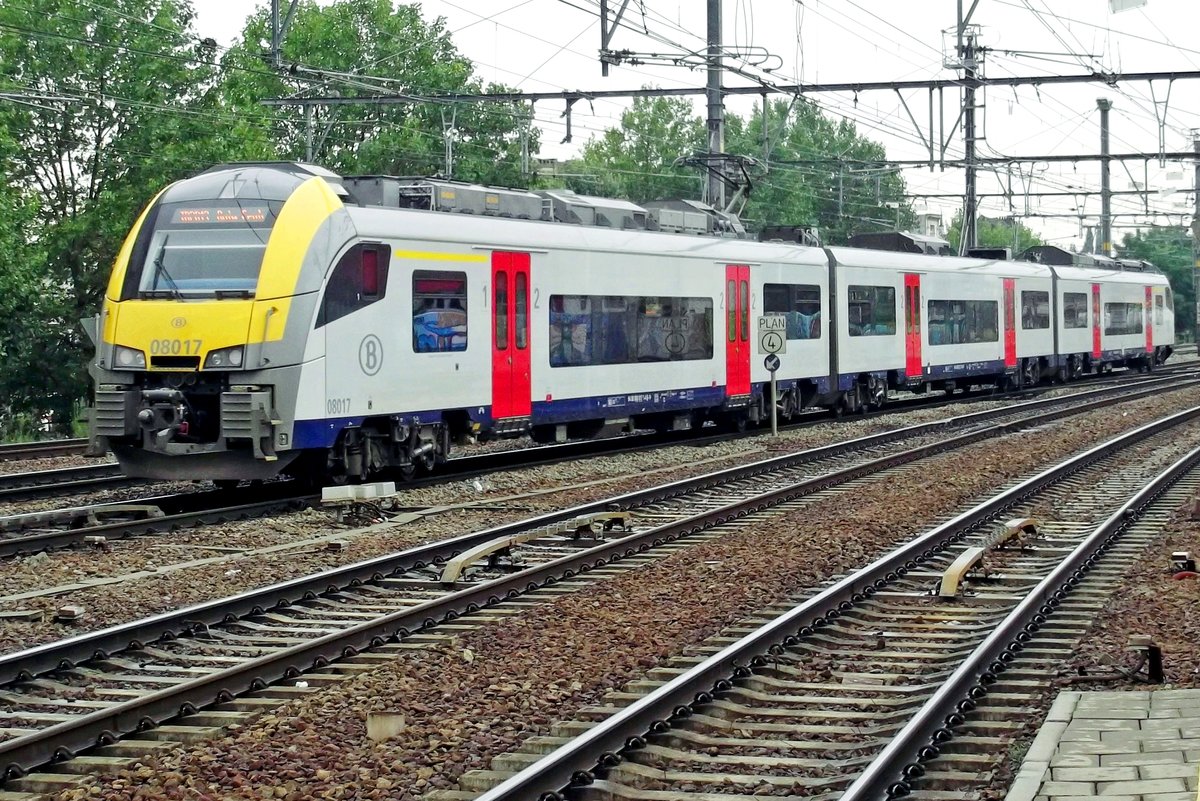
x,y
306,210
429,255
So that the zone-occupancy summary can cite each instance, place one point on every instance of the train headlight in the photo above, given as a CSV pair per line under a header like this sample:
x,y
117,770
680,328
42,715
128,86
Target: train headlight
x,y
129,357
226,357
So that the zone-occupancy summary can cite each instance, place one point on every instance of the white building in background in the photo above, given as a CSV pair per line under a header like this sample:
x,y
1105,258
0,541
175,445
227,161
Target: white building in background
x,y
929,223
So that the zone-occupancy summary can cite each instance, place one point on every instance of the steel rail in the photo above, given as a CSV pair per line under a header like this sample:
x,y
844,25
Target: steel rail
x,y
62,740
180,510
256,601
579,761
42,448
22,486
892,773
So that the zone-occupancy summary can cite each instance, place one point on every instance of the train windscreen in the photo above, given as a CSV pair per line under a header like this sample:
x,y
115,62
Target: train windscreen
x,y
206,248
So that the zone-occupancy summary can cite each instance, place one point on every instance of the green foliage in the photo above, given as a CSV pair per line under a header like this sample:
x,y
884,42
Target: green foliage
x,y
112,102
818,171
1170,250
637,161
995,233
116,100
339,43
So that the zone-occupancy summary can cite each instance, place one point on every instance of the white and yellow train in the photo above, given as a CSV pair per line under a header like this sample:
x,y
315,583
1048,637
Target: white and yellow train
x,y
267,318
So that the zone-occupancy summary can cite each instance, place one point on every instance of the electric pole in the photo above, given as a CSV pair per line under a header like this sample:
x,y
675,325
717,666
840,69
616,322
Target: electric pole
x,y
1105,231
968,51
1196,243
714,193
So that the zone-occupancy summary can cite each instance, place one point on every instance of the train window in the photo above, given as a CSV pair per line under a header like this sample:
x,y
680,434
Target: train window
x,y
871,311
610,329
500,306
439,316
731,307
522,319
745,311
1170,299
1123,318
1035,310
963,322
351,285
799,303
1075,310
1158,310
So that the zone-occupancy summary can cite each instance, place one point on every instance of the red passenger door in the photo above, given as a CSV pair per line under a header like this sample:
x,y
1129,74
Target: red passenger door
x,y
912,327
1148,316
737,333
511,385
1010,322
1095,321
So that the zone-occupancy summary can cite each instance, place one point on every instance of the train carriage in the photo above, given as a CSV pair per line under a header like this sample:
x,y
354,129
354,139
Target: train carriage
x,y
272,318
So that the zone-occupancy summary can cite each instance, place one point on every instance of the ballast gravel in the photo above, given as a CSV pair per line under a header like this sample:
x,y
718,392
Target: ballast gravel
x,y
480,694
178,569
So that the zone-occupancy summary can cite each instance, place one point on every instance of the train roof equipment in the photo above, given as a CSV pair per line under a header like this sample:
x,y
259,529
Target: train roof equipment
x,y
547,205
1054,255
901,242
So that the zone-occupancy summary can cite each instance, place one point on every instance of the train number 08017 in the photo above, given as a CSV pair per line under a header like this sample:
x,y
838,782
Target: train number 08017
x,y
335,406
176,347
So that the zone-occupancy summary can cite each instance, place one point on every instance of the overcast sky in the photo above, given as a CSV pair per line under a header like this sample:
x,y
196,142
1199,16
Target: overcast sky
x,y
551,45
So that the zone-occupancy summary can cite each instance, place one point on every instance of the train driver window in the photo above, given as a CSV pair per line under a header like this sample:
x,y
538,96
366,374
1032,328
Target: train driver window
x,y
439,316
800,304
872,311
1035,310
1158,310
358,280
1075,310
1170,300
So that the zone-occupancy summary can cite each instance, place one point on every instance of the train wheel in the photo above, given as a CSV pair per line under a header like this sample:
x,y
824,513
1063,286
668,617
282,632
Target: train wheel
x,y
735,422
876,392
848,404
1032,374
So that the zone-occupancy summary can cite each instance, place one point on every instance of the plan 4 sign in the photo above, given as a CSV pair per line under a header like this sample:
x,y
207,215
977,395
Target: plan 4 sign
x,y
772,334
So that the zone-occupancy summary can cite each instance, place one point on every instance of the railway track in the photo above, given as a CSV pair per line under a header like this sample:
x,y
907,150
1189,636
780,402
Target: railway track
x,y
877,686
17,487
34,532
41,449
221,656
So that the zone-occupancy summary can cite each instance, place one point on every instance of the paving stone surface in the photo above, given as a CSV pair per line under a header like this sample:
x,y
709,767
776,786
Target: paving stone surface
x,y
1140,746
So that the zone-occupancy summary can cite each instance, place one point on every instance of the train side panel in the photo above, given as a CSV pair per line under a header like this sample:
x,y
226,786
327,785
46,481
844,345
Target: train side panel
x,y
616,335
799,291
870,335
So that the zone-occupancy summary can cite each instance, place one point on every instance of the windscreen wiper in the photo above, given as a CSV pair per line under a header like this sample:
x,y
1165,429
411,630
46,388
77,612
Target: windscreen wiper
x,y
161,269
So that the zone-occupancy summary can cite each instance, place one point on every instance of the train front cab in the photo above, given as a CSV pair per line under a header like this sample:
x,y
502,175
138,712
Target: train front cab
x,y
201,338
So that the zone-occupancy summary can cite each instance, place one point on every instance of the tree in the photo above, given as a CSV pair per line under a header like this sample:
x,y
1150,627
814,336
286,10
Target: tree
x,y
636,161
816,171
1170,250
367,48
108,104
820,171
1004,232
